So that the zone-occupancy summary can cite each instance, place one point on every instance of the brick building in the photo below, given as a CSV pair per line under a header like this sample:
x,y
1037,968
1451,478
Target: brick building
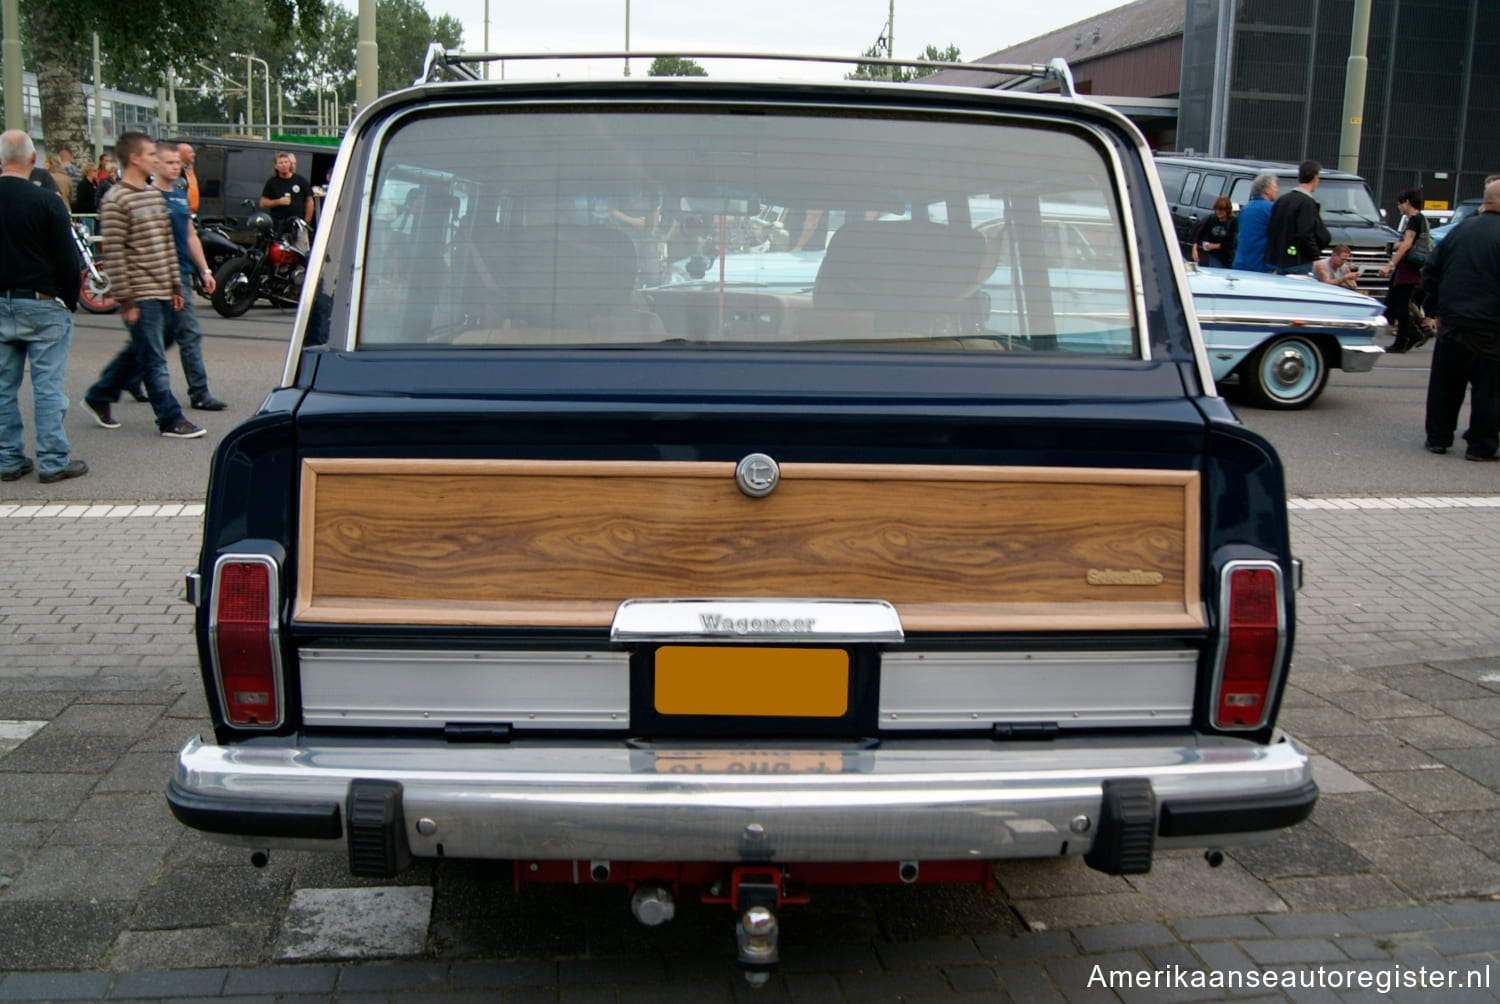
x,y
1265,79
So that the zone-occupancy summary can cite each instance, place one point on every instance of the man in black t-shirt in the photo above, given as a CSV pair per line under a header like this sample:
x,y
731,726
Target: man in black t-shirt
x,y
287,196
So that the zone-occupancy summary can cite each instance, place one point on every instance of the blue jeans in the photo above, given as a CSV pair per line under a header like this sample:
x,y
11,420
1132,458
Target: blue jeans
x,y
39,332
183,325
181,329
146,355
1295,269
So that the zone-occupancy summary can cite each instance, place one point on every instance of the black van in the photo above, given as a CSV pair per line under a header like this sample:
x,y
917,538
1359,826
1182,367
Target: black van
x,y
232,170
1191,184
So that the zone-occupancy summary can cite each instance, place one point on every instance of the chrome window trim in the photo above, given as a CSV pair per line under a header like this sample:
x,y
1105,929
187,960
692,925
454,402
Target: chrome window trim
x,y
1278,667
1179,270
1132,242
429,688
274,596
1088,689
318,252
1088,130
756,621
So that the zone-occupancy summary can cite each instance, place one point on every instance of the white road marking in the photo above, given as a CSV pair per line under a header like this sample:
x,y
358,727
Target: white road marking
x,y
99,510
13,732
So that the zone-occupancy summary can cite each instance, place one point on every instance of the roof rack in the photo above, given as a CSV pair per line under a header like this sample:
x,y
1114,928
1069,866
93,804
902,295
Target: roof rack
x,y
1015,76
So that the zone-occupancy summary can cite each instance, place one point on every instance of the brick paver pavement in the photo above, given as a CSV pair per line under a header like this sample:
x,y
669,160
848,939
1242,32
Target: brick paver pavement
x,y
1395,685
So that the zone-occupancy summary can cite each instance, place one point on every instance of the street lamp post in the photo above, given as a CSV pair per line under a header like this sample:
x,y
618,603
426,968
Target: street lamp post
x,y
15,107
226,85
250,88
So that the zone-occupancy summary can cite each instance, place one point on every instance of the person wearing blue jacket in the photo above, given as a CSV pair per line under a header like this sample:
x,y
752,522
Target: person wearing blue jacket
x,y
1250,248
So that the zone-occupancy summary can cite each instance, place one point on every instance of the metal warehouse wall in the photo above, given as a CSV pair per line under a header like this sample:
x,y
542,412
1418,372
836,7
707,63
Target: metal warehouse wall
x,y
1432,93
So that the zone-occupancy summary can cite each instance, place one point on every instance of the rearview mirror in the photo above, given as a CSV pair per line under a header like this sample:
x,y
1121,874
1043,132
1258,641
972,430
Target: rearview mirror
x,y
719,205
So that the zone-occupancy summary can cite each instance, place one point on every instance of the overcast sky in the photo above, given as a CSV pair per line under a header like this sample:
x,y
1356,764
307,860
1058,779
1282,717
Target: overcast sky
x,y
824,27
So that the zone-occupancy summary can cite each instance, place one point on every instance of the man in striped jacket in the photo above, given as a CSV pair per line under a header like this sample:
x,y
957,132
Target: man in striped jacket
x,y
136,237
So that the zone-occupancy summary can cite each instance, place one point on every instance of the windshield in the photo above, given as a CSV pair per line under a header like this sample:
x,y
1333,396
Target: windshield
x,y
1346,201
1463,212
643,229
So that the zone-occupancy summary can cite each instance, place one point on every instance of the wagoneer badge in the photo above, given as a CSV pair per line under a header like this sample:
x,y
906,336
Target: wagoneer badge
x,y
757,475
1134,577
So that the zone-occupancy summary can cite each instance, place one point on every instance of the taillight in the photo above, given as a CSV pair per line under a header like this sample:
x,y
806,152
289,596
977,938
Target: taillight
x,y
1252,637
242,629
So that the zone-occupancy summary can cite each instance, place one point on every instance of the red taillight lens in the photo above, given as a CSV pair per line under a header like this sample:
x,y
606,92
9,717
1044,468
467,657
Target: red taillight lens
x,y
1252,640
244,652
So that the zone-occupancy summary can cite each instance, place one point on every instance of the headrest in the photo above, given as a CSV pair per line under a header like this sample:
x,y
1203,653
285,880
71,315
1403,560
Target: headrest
x,y
563,276
898,265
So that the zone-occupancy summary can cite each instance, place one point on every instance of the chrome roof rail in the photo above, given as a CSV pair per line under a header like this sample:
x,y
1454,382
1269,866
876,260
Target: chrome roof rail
x,y
461,64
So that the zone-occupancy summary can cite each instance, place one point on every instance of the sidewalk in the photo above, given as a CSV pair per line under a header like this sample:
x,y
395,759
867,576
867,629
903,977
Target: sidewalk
x,y
1395,684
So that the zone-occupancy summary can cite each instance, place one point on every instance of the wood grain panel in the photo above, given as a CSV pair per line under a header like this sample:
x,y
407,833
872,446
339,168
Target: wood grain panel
x,y
562,543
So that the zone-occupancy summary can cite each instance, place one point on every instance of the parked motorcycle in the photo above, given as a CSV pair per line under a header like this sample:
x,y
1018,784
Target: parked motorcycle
x,y
272,269
219,245
93,284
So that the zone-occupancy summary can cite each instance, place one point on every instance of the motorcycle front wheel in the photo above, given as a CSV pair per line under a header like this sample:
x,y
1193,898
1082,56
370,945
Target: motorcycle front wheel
x,y
94,296
234,289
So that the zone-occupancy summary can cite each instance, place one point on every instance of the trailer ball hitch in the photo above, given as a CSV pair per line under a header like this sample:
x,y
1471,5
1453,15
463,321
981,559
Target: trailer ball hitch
x,y
756,938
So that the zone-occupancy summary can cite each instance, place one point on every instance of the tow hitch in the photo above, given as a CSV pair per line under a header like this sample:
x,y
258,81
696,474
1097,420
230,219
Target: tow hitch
x,y
756,892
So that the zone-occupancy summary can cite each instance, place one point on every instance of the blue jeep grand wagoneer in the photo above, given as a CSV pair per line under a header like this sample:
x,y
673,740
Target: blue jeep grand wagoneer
x,y
536,555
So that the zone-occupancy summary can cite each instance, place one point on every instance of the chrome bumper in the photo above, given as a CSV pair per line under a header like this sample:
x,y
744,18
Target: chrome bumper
x,y
1359,358
938,800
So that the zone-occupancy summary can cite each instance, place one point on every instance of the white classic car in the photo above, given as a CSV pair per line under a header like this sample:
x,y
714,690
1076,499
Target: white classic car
x,y
1277,336
1280,335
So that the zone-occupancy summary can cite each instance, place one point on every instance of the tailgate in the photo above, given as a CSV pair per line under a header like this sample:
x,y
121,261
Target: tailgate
x,y
561,544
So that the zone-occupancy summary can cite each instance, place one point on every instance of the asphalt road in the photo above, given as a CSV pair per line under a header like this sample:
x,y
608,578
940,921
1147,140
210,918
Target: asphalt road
x,y
1362,438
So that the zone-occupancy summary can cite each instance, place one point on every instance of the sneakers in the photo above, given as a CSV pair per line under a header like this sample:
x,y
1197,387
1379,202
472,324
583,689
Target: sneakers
x,y
1481,459
183,429
208,403
1430,448
75,469
99,411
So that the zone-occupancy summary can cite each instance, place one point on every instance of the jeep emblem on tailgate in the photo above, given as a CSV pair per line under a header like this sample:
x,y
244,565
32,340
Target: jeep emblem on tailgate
x,y
757,475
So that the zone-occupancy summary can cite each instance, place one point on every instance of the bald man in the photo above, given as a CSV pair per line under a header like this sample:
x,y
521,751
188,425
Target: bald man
x,y
39,271
1462,282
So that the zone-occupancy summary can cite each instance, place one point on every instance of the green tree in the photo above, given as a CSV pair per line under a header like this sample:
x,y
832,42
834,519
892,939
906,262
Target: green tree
x,y
404,30
309,46
155,34
871,71
902,74
936,55
675,66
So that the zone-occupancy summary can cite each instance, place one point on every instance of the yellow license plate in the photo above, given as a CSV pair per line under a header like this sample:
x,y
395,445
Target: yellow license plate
x,y
759,682
747,762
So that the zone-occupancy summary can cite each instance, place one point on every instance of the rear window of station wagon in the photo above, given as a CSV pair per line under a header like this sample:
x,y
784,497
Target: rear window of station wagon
x,y
708,228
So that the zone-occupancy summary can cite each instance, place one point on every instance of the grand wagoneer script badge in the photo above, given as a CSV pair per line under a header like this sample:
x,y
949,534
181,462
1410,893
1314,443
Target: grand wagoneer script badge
x,y
719,624
1134,577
